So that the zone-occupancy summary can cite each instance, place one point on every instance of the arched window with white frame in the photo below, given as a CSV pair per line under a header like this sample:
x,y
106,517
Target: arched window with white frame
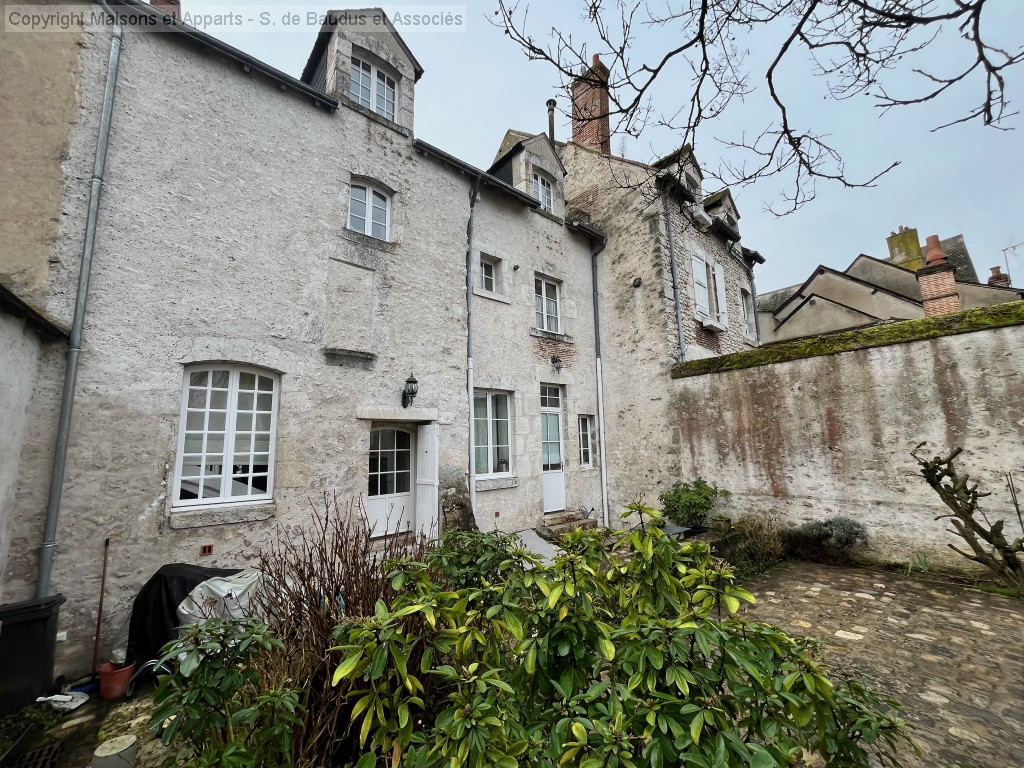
x,y
226,435
369,210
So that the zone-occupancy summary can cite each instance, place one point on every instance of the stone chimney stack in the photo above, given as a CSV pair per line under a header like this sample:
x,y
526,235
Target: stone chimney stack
x,y
999,278
169,7
905,249
937,280
590,125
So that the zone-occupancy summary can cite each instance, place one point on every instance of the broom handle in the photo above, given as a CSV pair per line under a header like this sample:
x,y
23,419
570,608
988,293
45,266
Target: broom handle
x,y
99,612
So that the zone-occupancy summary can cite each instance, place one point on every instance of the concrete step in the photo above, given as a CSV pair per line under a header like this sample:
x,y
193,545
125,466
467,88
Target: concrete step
x,y
552,531
557,518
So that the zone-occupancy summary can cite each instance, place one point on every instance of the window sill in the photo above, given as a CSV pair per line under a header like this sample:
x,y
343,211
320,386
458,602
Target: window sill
x,y
496,483
182,518
711,325
549,215
369,241
380,119
562,337
491,295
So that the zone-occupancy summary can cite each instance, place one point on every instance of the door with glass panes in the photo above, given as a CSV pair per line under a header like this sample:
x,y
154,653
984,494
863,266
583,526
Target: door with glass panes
x,y
390,496
552,452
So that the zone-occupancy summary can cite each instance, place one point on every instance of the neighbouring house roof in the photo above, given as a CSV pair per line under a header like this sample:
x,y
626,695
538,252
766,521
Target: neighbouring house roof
x,y
10,304
810,300
248,62
822,269
327,30
772,300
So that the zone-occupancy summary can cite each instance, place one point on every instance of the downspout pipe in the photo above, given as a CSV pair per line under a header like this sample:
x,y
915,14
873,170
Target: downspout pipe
x,y
60,452
675,275
595,251
470,385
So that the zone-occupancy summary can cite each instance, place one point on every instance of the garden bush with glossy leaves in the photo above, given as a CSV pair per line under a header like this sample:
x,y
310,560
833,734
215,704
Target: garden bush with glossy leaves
x,y
627,650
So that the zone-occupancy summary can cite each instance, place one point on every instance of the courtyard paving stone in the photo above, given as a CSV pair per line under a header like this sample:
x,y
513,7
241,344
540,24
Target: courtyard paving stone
x,y
952,656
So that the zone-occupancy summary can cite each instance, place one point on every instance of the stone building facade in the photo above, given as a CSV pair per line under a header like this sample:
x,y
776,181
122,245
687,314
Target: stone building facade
x,y
272,262
675,283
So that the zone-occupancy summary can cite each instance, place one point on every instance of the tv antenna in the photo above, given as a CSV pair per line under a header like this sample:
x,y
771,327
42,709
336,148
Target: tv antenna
x,y
1006,256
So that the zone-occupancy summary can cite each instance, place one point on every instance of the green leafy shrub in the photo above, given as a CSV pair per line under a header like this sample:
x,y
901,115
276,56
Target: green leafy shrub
x,y
688,504
830,541
629,656
756,543
215,701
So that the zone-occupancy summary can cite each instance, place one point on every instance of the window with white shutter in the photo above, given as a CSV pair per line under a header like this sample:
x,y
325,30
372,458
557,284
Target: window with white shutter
x,y
700,286
723,306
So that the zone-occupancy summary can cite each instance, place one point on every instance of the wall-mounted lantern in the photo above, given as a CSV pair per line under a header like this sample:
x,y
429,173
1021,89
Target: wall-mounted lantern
x,y
409,393
556,361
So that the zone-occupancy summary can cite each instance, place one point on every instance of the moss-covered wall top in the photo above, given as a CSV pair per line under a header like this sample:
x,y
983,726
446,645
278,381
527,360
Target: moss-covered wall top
x,y
982,318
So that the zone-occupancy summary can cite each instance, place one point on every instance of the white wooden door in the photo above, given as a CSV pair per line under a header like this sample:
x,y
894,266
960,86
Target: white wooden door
x,y
390,499
552,453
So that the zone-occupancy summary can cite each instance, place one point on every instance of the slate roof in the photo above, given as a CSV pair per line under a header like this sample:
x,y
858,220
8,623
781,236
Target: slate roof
x,y
956,252
771,301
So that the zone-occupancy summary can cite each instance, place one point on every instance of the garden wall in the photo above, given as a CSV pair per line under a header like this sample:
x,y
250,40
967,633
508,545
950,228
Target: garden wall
x,y
825,426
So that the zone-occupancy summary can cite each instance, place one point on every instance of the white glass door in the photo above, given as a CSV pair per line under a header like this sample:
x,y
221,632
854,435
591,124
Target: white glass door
x,y
551,448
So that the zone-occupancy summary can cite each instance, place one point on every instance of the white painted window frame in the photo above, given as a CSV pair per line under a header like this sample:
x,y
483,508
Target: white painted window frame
x,y
377,77
544,191
370,190
494,264
709,290
488,441
230,430
588,444
541,317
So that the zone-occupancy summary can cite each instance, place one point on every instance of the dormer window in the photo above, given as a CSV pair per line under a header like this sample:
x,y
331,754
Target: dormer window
x,y
542,190
373,89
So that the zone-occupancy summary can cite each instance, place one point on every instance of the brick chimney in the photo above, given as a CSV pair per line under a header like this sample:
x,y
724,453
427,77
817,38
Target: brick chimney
x,y
938,281
169,7
905,249
999,278
590,108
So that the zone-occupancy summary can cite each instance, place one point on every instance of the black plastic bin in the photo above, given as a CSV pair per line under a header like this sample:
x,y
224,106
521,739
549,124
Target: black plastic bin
x,y
28,634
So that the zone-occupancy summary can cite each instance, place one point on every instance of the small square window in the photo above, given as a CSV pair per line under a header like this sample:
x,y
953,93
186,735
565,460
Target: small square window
x,y
490,277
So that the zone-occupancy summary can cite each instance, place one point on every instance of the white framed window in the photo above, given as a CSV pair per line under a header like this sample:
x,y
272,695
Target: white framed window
x,y
490,277
709,290
492,422
369,210
372,88
749,321
587,443
542,191
546,305
226,435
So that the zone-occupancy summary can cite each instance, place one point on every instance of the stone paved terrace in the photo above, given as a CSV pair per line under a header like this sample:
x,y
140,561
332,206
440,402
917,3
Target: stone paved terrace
x,y
953,656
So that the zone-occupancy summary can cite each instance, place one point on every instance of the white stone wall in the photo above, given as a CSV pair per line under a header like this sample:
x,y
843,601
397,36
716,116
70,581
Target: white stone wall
x,y
222,237
832,435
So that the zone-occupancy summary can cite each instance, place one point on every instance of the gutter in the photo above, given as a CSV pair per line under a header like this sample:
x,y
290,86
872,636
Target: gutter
x,y
67,401
483,177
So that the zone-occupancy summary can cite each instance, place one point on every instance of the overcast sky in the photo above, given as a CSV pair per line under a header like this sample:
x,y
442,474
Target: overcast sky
x,y
477,83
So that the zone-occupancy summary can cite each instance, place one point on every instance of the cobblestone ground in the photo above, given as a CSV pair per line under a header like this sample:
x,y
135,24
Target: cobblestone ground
x,y
953,656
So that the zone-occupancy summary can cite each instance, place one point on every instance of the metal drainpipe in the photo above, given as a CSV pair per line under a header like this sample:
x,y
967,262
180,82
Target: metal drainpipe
x,y
675,275
67,401
474,191
753,303
600,380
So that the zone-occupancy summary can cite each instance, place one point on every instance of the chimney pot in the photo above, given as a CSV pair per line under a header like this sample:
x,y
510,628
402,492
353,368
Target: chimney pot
x,y
935,255
596,60
999,278
551,119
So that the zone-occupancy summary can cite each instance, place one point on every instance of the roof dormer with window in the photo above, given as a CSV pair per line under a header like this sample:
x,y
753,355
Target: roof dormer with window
x,y
360,59
532,165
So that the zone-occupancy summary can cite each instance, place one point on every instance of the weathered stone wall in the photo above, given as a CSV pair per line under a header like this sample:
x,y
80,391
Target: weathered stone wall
x,y
222,237
639,336
832,435
38,93
20,350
